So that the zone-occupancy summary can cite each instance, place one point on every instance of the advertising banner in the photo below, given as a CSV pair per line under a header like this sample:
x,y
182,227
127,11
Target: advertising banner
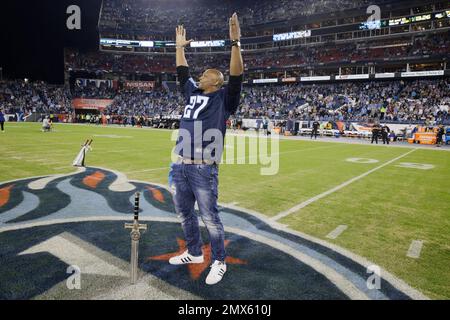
x,y
142,85
95,104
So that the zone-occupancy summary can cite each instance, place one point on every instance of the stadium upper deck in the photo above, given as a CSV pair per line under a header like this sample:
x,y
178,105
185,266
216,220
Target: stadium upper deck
x,y
297,38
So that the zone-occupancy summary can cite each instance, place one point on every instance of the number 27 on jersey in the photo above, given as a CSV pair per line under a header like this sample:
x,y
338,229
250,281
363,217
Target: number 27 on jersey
x,y
196,104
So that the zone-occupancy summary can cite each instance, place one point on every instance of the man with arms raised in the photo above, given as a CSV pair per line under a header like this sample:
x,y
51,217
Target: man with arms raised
x,y
195,172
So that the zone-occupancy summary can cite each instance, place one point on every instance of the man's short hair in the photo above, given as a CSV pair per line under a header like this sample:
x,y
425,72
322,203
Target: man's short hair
x,y
219,76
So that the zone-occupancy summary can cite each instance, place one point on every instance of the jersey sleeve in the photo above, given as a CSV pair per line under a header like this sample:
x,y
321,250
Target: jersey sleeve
x,y
187,84
233,94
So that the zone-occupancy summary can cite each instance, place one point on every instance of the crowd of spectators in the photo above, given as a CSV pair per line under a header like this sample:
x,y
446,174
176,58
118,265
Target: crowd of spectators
x,y
26,97
396,101
150,104
201,15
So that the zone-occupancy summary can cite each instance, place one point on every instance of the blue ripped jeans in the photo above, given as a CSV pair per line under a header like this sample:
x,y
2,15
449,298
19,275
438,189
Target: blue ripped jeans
x,y
199,183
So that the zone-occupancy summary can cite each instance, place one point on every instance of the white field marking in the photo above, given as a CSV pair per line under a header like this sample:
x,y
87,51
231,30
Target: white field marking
x,y
148,287
394,280
414,249
42,183
35,155
349,141
347,287
121,183
413,165
337,188
44,163
41,160
361,160
44,144
65,167
73,254
112,136
105,149
32,153
336,232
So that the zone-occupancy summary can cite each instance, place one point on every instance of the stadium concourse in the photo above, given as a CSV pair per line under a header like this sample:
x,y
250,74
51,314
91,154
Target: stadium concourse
x,y
341,219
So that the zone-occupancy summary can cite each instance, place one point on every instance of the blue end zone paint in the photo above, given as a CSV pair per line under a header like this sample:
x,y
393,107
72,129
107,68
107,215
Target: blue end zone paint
x,y
16,196
119,201
50,202
269,274
167,205
25,276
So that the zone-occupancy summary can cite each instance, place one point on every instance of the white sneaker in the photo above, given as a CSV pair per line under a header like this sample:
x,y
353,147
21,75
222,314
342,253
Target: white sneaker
x,y
185,258
218,269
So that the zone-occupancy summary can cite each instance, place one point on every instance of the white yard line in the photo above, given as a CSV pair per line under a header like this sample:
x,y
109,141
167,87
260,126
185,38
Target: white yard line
x,y
65,167
336,232
414,249
337,188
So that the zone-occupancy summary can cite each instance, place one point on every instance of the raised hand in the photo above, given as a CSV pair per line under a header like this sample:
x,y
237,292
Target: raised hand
x,y
181,37
235,29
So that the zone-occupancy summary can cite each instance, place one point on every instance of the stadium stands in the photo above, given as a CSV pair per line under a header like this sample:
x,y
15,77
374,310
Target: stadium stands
x,y
395,101
26,97
200,15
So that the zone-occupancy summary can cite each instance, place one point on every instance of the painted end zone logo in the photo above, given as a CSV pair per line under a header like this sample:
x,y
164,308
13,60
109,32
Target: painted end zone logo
x,y
63,237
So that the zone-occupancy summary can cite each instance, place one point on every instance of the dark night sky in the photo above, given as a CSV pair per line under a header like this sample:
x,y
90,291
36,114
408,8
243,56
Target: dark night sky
x,y
33,34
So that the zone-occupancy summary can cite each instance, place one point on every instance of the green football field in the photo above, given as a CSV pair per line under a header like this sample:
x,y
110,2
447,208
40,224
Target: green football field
x,y
385,205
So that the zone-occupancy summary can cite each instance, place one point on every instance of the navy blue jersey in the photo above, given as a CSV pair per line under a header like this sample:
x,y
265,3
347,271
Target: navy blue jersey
x,y
204,113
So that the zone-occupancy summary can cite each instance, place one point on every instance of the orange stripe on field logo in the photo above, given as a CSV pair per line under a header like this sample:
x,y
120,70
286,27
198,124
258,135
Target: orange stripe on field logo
x,y
157,194
94,179
4,195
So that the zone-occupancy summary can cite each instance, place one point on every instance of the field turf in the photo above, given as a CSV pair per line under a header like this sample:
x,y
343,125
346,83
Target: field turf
x,y
384,211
